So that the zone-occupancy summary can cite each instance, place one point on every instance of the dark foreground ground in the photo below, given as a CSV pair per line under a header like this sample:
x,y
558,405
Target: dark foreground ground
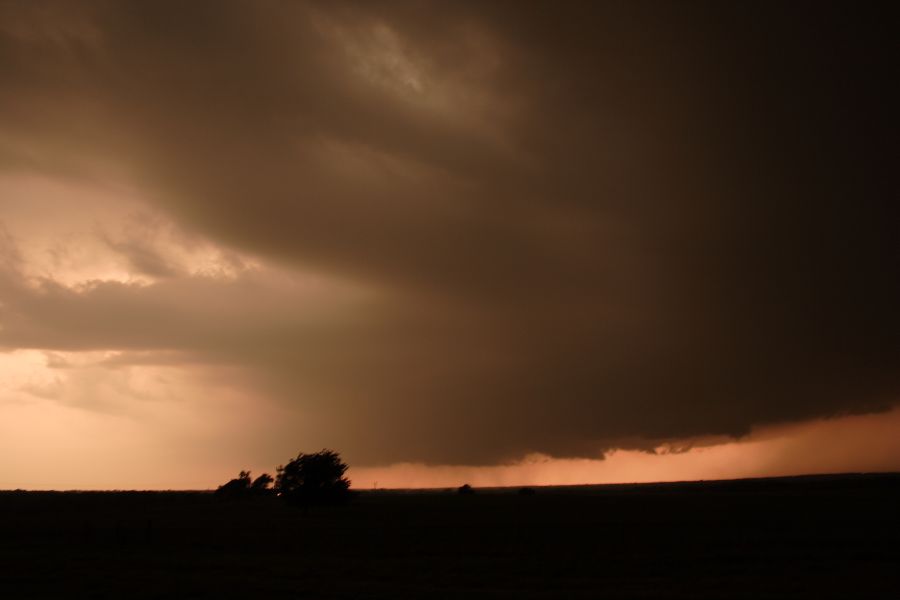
x,y
809,537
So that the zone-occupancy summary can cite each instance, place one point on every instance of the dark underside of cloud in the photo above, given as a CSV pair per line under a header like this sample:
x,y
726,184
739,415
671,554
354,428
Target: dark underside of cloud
x,y
583,226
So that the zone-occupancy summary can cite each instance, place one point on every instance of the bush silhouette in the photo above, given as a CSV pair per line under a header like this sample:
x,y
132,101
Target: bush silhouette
x,y
465,490
243,487
262,485
314,479
236,487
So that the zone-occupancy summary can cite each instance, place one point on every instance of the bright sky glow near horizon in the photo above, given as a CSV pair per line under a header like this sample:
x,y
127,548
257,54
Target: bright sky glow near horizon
x,y
503,243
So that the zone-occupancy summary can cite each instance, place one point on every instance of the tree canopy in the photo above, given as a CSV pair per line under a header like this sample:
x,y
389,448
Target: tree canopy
x,y
242,486
316,478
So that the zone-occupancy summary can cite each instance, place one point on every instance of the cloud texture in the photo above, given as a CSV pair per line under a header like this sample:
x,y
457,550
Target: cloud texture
x,y
461,233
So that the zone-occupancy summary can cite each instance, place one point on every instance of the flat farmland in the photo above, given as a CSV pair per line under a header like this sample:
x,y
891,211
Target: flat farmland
x,y
801,537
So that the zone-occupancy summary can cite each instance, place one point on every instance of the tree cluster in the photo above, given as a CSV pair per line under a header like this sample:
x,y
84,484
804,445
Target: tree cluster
x,y
313,479
243,486
309,479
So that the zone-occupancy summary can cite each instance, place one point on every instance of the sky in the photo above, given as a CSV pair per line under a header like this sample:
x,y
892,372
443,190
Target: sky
x,y
497,242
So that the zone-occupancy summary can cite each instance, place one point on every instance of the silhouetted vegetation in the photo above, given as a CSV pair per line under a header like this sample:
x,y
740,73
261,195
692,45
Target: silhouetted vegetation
x,y
314,479
244,487
262,484
465,490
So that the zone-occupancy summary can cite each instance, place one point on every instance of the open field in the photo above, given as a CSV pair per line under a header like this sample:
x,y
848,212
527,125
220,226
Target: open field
x,y
805,537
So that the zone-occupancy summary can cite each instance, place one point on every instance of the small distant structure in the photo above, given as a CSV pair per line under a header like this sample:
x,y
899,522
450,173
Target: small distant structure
x,y
465,490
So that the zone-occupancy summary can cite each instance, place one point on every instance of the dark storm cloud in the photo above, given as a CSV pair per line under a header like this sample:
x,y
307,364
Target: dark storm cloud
x,y
586,224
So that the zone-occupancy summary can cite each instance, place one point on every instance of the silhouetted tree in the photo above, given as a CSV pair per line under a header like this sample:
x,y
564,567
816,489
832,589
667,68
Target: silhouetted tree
x,y
236,487
243,487
465,490
314,479
261,485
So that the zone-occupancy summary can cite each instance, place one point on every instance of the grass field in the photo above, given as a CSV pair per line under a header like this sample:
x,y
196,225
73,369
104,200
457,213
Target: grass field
x,y
804,537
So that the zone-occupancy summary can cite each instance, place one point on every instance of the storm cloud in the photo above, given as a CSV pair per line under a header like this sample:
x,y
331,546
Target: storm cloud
x,y
476,231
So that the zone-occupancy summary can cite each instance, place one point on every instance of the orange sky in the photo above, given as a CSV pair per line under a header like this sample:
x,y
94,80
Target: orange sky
x,y
443,233
128,453
847,444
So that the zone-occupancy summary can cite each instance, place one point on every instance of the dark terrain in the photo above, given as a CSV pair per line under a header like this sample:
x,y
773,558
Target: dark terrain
x,y
803,537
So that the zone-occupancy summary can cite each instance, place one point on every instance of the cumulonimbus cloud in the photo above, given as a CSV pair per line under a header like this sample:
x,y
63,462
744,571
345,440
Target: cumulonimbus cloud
x,y
558,230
